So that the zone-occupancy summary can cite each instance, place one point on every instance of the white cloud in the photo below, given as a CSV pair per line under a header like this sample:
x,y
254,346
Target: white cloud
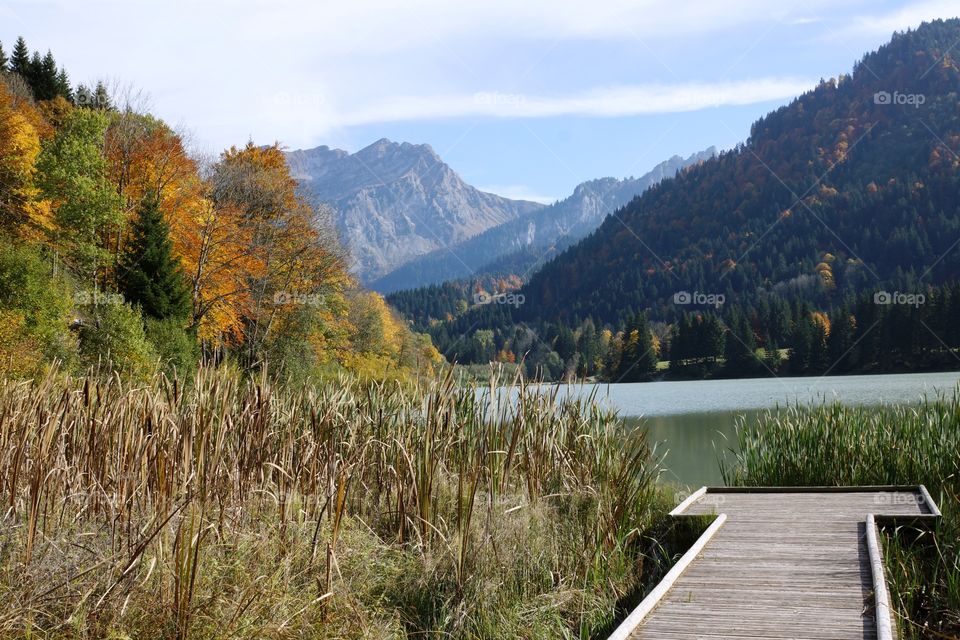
x,y
907,17
518,192
300,71
606,102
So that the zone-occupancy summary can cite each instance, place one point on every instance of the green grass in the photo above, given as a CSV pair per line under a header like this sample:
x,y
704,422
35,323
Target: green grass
x,y
836,445
235,508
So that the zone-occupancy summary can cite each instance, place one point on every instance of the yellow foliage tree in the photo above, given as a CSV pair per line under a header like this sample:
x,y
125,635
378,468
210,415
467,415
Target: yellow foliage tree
x,y
23,212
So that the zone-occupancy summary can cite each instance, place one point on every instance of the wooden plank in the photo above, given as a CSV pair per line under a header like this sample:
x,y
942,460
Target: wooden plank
x,y
788,562
653,598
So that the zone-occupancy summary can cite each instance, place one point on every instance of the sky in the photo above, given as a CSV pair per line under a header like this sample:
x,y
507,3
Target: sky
x,y
525,98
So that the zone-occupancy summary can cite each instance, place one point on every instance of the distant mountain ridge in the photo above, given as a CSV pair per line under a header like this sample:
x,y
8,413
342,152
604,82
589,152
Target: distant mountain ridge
x,y
522,244
394,202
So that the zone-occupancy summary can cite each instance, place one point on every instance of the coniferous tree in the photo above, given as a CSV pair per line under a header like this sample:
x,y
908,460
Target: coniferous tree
x,y
45,78
3,59
63,85
840,342
34,68
639,359
20,60
149,273
801,352
740,345
83,97
101,98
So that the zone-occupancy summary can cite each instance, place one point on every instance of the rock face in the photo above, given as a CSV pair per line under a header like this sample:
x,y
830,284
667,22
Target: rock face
x,y
521,245
397,201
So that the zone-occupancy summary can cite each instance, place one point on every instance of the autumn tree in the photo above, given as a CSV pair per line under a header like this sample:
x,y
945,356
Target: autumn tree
x,y
292,249
23,212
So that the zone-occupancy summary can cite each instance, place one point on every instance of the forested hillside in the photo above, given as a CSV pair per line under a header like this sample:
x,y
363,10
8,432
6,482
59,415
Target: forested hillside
x,y
118,249
849,192
834,193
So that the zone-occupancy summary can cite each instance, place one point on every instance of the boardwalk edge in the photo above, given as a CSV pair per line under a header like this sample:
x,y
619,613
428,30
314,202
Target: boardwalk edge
x,y
653,598
693,497
881,599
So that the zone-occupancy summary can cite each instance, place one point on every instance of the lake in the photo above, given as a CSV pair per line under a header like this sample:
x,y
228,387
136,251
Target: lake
x,y
693,422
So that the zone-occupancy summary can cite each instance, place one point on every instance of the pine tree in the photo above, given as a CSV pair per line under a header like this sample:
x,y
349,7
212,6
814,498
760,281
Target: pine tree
x,y
82,97
20,61
740,346
63,85
841,341
149,273
34,69
639,361
45,78
101,98
3,59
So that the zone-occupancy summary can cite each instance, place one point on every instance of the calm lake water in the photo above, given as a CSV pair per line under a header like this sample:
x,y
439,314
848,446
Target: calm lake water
x,y
693,422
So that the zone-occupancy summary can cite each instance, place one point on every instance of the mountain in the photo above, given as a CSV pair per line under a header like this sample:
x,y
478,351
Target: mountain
x,y
396,201
521,245
854,186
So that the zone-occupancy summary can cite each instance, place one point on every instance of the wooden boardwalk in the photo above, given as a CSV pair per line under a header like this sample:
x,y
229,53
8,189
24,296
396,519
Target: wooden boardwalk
x,y
780,564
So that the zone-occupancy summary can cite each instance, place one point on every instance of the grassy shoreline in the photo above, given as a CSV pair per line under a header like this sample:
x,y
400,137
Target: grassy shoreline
x,y
235,508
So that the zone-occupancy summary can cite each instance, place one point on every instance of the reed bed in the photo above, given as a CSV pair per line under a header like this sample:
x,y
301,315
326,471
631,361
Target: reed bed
x,y
837,445
235,508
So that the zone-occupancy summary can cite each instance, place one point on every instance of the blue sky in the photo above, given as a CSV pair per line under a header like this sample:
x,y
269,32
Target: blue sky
x,y
524,98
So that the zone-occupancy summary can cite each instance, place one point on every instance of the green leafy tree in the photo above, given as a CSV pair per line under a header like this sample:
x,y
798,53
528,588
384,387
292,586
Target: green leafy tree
x,y
149,273
74,175
35,310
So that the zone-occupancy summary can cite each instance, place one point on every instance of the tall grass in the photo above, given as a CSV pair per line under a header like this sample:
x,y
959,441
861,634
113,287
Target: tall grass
x,y
232,508
837,445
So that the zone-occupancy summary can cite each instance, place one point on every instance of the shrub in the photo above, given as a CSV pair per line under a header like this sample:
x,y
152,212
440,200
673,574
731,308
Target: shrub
x,y
112,335
35,312
176,347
